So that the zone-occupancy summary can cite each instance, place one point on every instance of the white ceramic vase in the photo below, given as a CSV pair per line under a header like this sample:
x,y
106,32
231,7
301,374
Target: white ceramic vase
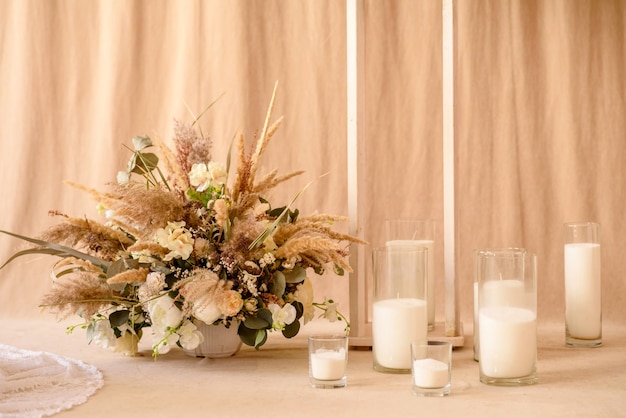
x,y
219,341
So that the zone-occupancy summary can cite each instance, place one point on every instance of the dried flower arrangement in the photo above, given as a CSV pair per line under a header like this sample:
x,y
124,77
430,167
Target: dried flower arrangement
x,y
181,246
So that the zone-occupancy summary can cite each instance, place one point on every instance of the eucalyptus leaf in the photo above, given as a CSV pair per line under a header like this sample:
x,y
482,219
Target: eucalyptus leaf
x,y
117,332
256,323
278,284
299,308
122,265
90,332
294,215
296,275
261,338
339,270
266,315
158,267
247,335
119,318
277,212
292,329
141,142
145,163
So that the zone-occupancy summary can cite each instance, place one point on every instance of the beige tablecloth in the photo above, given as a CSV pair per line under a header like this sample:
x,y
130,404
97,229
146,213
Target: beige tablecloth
x,y
274,381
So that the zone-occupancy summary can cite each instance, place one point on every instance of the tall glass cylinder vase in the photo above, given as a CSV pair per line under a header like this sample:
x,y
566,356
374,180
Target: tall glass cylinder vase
x,y
416,233
583,293
507,316
399,313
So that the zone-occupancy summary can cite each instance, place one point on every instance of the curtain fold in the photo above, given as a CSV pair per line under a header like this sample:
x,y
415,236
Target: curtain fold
x,y
539,117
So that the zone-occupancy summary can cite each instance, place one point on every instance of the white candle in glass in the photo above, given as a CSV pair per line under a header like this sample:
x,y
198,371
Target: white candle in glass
x,y
583,309
508,341
430,279
430,373
328,364
508,292
395,323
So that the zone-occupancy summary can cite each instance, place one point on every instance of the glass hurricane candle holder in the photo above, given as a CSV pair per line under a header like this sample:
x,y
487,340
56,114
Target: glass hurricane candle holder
x,y
399,313
416,233
507,317
583,286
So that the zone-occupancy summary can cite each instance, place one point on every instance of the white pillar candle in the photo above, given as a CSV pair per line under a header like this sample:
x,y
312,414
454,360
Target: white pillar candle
x,y
508,341
430,373
430,279
328,364
583,290
395,324
507,292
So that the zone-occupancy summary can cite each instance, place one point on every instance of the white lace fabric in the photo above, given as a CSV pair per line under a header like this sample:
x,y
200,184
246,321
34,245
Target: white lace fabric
x,y
38,384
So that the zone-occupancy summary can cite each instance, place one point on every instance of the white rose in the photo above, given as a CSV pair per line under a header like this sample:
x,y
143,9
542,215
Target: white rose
x,y
206,310
164,313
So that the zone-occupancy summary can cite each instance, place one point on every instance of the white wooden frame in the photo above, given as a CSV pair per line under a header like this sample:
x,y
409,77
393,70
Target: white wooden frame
x,y
361,327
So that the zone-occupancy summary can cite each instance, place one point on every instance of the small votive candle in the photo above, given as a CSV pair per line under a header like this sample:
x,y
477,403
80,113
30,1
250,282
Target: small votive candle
x,y
328,358
431,368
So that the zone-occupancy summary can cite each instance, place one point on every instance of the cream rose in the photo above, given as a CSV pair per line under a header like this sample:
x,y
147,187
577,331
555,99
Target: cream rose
x,y
176,239
230,303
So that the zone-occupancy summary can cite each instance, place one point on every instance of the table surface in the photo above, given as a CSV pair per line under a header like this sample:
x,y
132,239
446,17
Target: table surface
x,y
274,381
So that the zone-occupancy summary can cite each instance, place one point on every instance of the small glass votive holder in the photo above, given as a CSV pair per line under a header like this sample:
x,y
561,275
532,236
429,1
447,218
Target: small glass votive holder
x,y
431,368
328,360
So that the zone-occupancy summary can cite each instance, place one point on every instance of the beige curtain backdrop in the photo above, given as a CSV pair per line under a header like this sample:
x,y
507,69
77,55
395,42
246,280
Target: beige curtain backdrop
x,y
540,129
